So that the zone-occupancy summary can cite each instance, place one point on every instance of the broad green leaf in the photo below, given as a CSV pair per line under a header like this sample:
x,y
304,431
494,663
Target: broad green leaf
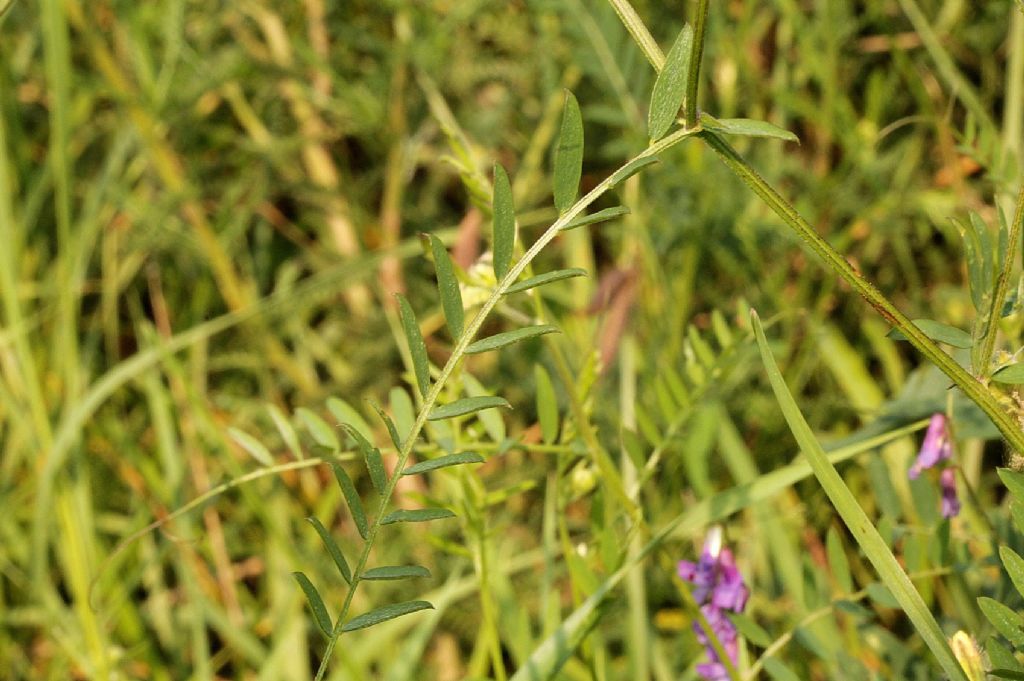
x,y
779,671
443,462
568,155
545,278
396,439
419,515
448,287
396,572
417,349
939,332
374,462
599,216
507,338
344,413
355,504
747,127
318,428
751,630
670,87
388,612
632,168
547,404
1014,482
466,405
316,603
332,548
251,445
1006,621
838,562
860,526
284,427
1014,565
1012,374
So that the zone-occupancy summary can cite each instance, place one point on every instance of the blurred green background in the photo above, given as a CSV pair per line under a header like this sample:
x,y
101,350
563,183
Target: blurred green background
x,y
205,209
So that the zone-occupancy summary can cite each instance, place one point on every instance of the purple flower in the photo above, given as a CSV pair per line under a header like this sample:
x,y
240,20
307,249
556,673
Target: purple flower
x,y
950,501
718,588
935,448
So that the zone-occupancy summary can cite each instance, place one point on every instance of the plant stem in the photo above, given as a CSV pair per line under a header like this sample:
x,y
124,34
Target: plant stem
x,y
975,390
988,343
693,77
456,356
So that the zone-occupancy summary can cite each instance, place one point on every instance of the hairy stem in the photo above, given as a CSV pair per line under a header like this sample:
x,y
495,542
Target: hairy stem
x,y
988,343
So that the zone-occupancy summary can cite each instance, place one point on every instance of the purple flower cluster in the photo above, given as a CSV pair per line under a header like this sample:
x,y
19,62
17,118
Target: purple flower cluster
x,y
938,447
718,587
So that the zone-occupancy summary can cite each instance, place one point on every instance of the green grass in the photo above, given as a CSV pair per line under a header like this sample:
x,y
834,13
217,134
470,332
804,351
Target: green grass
x,y
206,209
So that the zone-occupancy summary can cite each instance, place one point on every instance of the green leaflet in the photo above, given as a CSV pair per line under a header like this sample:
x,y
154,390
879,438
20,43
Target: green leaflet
x,y
1014,565
1012,374
568,155
448,288
751,630
670,87
251,445
396,572
318,428
939,332
443,462
1014,482
500,340
388,612
746,127
355,505
284,427
467,405
547,404
779,671
599,216
396,439
419,515
632,168
860,526
504,222
316,603
332,548
1006,621
374,462
417,349
343,412
545,278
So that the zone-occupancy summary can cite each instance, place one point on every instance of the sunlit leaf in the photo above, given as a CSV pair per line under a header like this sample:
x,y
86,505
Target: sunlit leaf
x,y
504,222
374,462
747,127
568,155
251,445
1012,374
507,338
322,433
443,462
396,572
599,216
779,671
670,87
420,363
284,427
1014,482
1006,621
751,630
332,548
343,412
448,287
466,405
388,612
316,603
418,515
545,278
355,504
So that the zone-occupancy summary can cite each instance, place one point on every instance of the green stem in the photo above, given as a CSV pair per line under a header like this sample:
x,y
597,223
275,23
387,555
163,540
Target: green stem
x,y
976,391
696,57
635,25
988,343
456,356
